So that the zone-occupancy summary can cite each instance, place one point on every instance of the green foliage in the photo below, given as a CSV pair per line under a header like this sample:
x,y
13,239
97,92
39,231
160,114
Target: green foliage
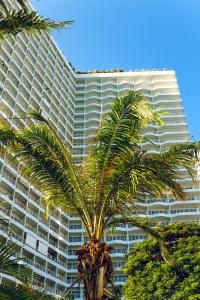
x,y
150,278
13,22
13,266
22,292
118,71
16,268
4,296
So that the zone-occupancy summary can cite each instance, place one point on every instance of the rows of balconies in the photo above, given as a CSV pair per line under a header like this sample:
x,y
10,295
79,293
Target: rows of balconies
x,y
113,95
98,106
174,132
78,239
18,74
169,213
118,89
168,202
92,106
45,56
27,87
168,126
94,111
19,123
81,122
119,81
159,142
32,208
173,113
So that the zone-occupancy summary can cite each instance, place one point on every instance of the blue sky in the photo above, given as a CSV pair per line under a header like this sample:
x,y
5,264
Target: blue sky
x,y
134,34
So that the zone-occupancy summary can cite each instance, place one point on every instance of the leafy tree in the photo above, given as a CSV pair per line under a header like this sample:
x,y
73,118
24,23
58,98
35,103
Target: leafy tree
x,y
14,21
102,190
150,278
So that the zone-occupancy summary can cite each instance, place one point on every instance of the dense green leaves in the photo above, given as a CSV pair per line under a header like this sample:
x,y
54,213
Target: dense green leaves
x,y
150,278
49,165
13,22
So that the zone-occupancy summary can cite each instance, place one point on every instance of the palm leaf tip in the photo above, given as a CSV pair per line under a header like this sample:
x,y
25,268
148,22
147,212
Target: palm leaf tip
x,y
37,115
15,22
7,136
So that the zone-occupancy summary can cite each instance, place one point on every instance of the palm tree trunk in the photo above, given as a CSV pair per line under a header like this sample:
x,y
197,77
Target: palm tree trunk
x,y
96,268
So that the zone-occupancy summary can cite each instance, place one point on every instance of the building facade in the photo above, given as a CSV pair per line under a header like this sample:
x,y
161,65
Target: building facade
x,y
34,74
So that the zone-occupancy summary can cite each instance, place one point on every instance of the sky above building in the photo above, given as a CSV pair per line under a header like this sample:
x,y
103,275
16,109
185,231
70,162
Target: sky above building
x,y
134,34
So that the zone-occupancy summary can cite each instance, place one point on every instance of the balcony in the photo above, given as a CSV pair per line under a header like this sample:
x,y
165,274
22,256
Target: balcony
x,y
52,257
10,178
63,249
31,227
43,236
115,238
33,213
62,263
60,277
20,203
52,242
5,210
40,267
54,229
119,251
51,272
75,239
28,261
18,219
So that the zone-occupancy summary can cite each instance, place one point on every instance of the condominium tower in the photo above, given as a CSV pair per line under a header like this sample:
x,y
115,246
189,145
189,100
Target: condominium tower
x,y
34,74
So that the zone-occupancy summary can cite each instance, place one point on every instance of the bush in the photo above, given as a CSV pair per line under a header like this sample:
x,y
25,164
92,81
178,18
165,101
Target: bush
x,y
150,278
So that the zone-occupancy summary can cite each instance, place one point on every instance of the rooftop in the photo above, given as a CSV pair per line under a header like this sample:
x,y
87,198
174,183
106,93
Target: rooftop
x,y
117,71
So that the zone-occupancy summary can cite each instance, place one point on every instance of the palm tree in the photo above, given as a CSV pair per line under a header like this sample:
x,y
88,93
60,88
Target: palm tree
x,y
13,21
104,189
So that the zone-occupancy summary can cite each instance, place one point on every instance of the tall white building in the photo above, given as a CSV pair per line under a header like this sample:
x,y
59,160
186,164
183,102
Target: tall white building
x,y
34,74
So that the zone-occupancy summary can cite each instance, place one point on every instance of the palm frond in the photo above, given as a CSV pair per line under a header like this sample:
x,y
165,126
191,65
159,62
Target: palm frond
x,y
85,183
141,175
22,292
23,4
13,22
13,266
119,130
37,115
48,165
3,5
149,229
122,127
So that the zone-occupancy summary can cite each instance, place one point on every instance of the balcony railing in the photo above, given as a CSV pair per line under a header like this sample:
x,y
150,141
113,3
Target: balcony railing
x,y
20,203
53,243
18,219
40,267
